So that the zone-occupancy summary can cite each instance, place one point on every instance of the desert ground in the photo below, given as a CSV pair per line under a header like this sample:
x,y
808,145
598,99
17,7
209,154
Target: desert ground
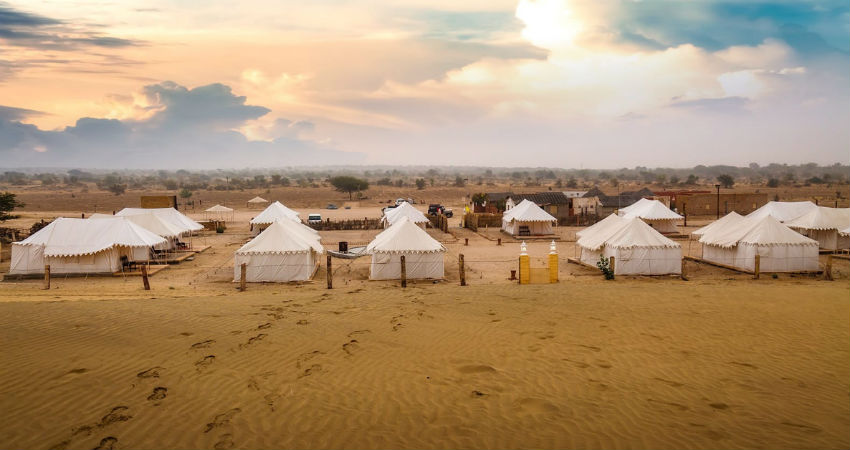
x,y
719,360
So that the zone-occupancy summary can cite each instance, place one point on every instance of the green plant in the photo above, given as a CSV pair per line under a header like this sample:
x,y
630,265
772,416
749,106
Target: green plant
x,y
605,267
219,229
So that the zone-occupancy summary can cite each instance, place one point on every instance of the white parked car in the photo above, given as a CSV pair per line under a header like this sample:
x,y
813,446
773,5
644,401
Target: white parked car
x,y
314,218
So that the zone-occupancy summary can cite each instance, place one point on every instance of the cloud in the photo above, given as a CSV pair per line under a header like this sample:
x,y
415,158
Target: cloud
x,y
183,128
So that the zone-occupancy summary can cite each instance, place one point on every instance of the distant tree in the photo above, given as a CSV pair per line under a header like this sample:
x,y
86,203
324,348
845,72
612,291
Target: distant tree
x,y
726,180
185,193
384,182
420,183
276,179
285,181
116,188
8,203
459,182
815,180
479,198
674,179
171,185
572,183
773,182
692,180
559,184
349,184
614,182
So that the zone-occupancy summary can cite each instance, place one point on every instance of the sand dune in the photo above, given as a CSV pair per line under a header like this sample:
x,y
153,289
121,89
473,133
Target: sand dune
x,y
579,365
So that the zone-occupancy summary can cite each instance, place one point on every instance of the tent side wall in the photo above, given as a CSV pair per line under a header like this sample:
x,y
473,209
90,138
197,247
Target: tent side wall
x,y
646,260
663,226
772,258
534,228
26,259
275,267
106,261
590,256
828,239
387,266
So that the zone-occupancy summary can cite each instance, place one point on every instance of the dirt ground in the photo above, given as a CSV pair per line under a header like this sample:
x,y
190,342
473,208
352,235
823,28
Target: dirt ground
x,y
718,361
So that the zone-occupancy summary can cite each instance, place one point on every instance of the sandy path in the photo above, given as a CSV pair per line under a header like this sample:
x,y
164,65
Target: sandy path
x,y
585,365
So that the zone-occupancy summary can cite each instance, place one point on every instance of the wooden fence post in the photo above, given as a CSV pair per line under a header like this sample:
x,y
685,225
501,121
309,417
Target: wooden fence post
x,y
462,270
757,269
465,242
827,271
612,264
145,280
47,276
243,274
403,273
330,276
499,241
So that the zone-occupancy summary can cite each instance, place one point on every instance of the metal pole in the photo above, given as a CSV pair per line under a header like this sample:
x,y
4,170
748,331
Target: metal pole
x,y
718,200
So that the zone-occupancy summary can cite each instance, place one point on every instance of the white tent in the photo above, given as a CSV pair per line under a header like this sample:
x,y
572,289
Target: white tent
x,y
153,223
780,248
728,219
82,246
284,251
272,213
783,211
170,214
527,219
423,255
845,232
219,212
654,213
404,210
637,248
257,201
822,224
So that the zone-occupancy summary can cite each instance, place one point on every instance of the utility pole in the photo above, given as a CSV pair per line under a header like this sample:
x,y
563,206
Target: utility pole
x,y
718,200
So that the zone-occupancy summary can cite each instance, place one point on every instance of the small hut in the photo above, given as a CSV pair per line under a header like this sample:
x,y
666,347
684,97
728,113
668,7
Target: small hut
x,y
637,248
404,210
527,219
823,224
423,255
257,202
654,213
284,251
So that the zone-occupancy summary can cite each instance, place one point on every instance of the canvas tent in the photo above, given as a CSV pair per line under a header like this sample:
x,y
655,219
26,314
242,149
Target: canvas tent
x,y
284,251
170,214
405,209
257,201
423,255
82,246
612,218
153,223
637,248
783,211
219,212
780,248
823,224
654,213
845,232
527,219
728,219
272,213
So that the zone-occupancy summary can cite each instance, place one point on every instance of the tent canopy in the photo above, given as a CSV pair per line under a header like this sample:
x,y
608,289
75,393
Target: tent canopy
x,y
845,231
77,237
258,199
219,208
527,211
625,233
169,214
404,210
151,222
612,218
765,230
282,236
649,210
727,220
274,212
404,236
783,211
822,218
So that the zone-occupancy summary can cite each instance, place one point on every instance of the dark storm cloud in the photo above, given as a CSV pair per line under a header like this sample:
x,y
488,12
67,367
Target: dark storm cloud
x,y
190,128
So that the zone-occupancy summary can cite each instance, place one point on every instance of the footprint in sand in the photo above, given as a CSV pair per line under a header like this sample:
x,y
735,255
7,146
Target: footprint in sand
x,y
304,357
204,362
579,364
225,442
186,333
153,372
222,419
254,340
743,364
107,443
546,335
203,344
590,347
314,369
77,371
537,405
159,393
719,405
264,326
478,394
84,430
118,414
302,322
478,368
669,382
678,406
356,332
271,399
60,446
803,427
350,347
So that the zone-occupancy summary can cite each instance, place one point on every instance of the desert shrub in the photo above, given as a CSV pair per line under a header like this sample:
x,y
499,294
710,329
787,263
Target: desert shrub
x,y
605,267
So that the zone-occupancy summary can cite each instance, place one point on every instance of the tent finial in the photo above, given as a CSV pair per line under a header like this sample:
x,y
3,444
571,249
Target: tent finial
x,y
523,249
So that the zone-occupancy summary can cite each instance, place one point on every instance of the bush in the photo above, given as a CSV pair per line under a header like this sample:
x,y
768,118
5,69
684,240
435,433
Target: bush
x,y
219,229
605,267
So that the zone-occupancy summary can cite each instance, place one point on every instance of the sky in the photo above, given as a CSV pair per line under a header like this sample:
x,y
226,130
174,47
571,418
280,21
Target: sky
x,y
535,83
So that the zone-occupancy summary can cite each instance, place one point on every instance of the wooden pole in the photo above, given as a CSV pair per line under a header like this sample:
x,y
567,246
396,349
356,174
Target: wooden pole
x,y
243,275
465,242
499,241
685,212
403,273
611,263
757,269
827,271
462,270
145,280
684,276
330,276
47,276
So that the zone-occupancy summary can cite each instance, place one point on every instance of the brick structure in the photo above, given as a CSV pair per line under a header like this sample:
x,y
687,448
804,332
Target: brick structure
x,y
706,204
